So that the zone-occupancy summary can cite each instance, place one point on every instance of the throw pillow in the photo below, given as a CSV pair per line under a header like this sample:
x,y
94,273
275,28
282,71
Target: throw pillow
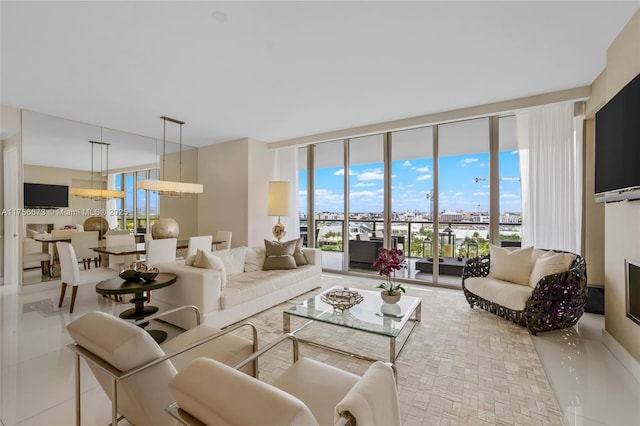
x,y
189,260
233,259
553,263
510,265
280,255
279,262
207,260
298,254
276,248
254,259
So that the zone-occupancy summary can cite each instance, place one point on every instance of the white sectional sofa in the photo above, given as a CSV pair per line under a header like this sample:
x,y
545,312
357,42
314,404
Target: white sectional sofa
x,y
242,289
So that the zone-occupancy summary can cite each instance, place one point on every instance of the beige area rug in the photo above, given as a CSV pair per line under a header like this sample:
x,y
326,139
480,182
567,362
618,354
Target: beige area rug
x,y
460,366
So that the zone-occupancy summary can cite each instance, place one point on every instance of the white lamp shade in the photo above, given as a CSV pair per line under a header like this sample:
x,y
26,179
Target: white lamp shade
x,y
279,194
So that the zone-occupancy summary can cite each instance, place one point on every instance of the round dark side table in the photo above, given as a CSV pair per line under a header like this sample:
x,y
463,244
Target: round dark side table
x,y
119,286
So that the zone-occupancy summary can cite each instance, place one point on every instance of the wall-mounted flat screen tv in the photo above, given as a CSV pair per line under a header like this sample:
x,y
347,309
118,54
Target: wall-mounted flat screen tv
x,y
617,154
40,196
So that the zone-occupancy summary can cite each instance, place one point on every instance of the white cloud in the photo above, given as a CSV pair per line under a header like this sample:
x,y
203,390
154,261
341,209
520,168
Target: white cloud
x,y
374,174
341,172
467,161
514,152
478,194
459,194
407,164
424,177
508,195
365,194
361,184
422,169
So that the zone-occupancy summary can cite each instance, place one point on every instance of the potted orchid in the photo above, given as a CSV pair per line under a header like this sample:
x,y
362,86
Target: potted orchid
x,y
387,263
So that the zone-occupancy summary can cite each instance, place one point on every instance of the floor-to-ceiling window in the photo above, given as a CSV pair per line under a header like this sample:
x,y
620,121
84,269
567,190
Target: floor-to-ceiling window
x,y
139,208
412,194
329,172
509,180
366,199
443,198
302,196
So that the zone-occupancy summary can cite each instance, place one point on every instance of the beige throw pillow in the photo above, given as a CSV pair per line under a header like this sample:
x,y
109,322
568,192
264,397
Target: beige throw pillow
x,y
207,260
254,259
510,265
279,262
552,263
280,255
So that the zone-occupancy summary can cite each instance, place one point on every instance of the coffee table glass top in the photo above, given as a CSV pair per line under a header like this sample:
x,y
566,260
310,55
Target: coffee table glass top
x,y
371,315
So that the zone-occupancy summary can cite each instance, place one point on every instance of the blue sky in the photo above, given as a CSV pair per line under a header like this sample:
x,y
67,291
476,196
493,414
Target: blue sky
x,y
413,179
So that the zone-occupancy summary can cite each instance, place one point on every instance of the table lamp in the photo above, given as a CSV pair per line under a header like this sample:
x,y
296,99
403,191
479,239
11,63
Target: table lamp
x,y
278,205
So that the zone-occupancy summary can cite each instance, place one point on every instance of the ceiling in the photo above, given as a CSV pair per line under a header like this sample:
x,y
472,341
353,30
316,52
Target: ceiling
x,y
279,70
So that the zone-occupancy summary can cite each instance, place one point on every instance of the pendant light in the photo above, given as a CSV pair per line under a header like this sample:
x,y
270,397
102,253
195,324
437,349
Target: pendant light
x,y
166,186
97,193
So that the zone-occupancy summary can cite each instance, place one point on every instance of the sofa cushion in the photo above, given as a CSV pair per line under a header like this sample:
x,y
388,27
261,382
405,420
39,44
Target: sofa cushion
x,y
233,259
550,263
254,259
511,265
504,293
279,262
251,285
298,254
279,255
207,260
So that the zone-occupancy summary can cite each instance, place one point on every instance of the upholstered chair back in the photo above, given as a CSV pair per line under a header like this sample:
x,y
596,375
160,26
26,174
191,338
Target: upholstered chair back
x,y
201,242
141,397
159,251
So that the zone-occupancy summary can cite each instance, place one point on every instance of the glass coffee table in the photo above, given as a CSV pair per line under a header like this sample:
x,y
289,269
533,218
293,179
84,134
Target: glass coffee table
x,y
371,315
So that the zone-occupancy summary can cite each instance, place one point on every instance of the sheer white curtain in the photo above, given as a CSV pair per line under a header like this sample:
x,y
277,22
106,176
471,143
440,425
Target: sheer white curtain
x,y
286,168
111,213
550,145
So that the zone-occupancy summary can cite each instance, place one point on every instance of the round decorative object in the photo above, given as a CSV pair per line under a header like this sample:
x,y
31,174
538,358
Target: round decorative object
x,y
342,299
96,223
129,275
165,227
390,298
150,274
278,231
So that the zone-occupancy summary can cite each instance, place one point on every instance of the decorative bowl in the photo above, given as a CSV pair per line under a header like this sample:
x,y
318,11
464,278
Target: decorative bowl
x,y
150,274
130,275
342,299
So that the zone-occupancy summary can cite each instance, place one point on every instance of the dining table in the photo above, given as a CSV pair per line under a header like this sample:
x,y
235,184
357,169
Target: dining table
x,y
137,248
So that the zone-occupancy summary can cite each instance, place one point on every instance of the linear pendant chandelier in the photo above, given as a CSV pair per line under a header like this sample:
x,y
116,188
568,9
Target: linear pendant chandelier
x,y
97,193
166,186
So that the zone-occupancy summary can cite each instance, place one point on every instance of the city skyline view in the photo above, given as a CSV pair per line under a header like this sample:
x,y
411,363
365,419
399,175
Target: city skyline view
x,y
463,185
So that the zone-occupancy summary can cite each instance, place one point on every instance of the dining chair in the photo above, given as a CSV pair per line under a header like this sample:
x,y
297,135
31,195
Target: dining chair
x,y
161,250
223,236
32,252
134,371
119,262
308,392
202,242
82,243
71,275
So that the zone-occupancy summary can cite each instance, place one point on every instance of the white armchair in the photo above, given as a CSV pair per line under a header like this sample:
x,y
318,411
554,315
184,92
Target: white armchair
x,y
224,236
307,393
134,371
159,251
82,243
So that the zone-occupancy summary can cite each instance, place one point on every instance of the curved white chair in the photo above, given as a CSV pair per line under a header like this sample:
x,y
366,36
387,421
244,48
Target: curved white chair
x,y
309,392
71,275
133,369
202,242
82,243
223,236
159,251
118,262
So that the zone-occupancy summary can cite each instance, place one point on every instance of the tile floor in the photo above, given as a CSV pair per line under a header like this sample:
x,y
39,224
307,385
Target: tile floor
x,y
36,373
